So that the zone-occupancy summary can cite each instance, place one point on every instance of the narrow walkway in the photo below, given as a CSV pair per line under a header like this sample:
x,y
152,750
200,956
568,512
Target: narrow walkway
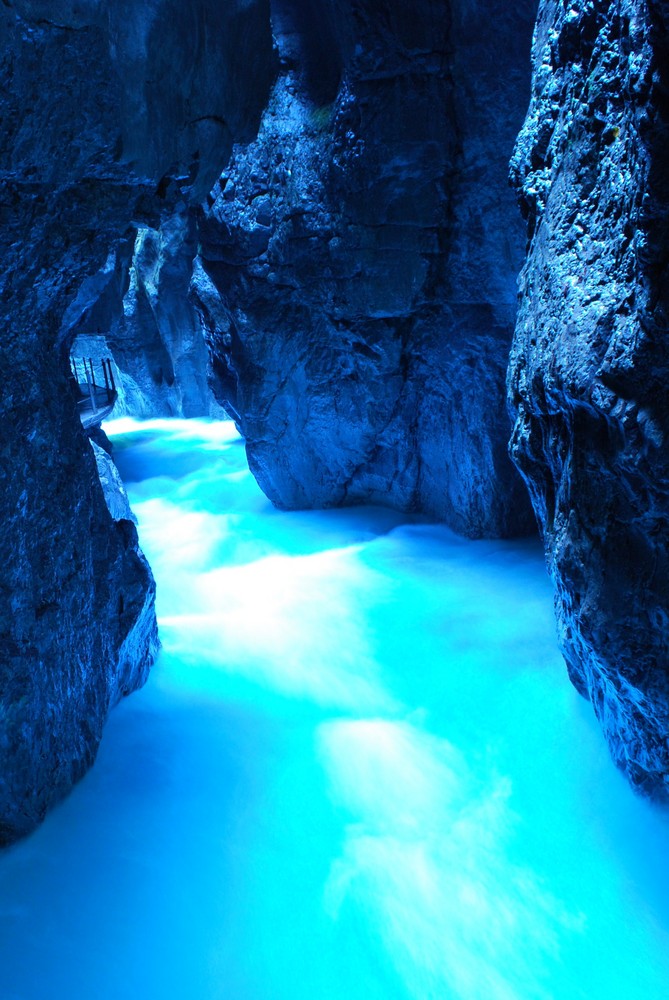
x,y
96,389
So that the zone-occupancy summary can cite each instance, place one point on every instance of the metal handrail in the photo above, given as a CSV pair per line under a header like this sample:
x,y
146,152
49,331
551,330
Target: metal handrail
x,y
84,373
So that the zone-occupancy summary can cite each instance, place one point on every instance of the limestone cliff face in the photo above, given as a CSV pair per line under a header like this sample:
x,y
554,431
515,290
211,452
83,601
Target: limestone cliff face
x,y
357,277
109,111
589,372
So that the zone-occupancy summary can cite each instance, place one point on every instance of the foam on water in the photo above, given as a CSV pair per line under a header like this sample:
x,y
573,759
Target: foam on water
x,y
358,772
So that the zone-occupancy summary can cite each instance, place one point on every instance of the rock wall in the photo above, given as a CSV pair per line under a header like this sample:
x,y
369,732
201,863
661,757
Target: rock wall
x,y
110,112
589,373
140,305
357,277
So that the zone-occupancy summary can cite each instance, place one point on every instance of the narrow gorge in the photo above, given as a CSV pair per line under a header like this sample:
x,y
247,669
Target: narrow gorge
x,y
347,315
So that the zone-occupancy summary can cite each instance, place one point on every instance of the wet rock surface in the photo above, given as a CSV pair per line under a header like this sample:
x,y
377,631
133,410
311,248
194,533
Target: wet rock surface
x,y
357,278
101,126
590,364
113,490
139,313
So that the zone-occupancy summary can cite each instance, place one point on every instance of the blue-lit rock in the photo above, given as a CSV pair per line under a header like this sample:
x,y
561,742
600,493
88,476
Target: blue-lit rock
x,y
590,365
358,269
140,304
113,490
110,111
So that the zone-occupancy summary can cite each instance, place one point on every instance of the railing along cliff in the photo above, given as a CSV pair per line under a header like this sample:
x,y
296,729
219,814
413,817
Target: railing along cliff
x,y
96,388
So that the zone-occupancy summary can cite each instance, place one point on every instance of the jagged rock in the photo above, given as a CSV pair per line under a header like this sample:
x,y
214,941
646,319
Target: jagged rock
x,y
357,277
589,373
138,309
113,490
110,112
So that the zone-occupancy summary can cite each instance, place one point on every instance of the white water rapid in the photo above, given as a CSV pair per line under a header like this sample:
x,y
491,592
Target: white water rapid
x,y
358,772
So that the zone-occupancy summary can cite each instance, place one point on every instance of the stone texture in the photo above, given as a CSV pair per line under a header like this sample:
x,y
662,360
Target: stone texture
x,y
137,311
113,490
357,278
110,112
589,372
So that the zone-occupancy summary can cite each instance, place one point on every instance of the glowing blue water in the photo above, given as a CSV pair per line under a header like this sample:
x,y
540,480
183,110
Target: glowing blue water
x,y
358,772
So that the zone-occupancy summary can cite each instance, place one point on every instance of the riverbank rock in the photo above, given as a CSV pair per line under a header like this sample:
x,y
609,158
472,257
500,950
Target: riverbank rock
x,y
589,371
357,277
112,113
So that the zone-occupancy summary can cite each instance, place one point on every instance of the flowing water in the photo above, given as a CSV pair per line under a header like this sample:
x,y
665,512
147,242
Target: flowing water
x,y
358,772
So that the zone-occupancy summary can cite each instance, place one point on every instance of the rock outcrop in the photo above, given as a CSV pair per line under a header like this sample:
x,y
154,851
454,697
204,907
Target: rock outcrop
x,y
110,112
138,312
589,373
357,278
